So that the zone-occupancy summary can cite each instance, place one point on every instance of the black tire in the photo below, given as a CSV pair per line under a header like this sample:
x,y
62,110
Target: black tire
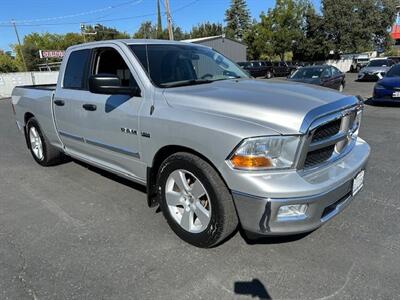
x,y
223,221
269,75
51,155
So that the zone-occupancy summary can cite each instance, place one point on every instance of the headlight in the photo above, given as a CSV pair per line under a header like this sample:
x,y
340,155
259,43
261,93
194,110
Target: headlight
x,y
262,153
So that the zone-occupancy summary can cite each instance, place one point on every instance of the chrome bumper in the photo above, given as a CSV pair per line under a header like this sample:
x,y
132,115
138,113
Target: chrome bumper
x,y
259,214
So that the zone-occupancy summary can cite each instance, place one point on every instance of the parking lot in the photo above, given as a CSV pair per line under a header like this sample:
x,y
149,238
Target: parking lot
x,y
74,232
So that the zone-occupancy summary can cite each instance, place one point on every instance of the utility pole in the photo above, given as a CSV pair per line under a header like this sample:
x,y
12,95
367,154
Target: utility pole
x,y
169,21
19,43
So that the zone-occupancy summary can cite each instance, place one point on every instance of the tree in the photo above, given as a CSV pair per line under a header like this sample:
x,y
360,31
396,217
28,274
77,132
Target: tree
x,y
237,18
355,26
206,29
313,45
282,25
104,33
146,31
7,63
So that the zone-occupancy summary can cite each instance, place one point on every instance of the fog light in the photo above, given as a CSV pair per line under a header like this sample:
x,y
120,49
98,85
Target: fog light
x,y
292,211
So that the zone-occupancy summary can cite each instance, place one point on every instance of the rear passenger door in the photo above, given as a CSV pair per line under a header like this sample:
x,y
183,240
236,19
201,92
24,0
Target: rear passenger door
x,y
71,93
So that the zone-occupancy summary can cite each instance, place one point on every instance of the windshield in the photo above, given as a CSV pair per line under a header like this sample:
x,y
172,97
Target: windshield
x,y
178,65
307,73
394,71
378,63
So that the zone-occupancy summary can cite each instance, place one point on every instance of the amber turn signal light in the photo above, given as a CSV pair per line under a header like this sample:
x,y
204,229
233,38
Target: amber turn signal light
x,y
248,162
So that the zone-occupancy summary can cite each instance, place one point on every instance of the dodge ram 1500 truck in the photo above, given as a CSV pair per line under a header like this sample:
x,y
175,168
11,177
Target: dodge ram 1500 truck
x,y
214,147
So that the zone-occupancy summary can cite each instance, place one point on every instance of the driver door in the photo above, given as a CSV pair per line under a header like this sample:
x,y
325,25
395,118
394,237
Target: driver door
x,y
111,129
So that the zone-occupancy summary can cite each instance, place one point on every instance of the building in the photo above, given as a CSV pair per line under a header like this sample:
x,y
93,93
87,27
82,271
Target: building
x,y
395,32
232,49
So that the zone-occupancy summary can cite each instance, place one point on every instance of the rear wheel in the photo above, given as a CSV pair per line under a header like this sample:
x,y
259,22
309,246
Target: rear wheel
x,y
42,151
195,201
269,75
341,87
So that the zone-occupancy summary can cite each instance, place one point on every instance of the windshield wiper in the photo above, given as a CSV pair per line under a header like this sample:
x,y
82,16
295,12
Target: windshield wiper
x,y
186,82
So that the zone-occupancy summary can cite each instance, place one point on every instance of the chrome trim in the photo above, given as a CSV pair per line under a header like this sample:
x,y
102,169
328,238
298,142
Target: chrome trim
x,y
327,142
113,148
71,136
328,109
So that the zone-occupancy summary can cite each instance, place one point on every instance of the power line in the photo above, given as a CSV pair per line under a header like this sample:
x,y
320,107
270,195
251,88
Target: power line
x,y
94,11
103,21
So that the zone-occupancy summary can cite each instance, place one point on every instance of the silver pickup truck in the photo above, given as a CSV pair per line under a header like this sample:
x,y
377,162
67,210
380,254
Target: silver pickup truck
x,y
214,147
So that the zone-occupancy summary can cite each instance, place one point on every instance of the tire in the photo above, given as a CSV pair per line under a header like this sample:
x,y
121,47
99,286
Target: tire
x,y
269,75
215,200
341,87
42,151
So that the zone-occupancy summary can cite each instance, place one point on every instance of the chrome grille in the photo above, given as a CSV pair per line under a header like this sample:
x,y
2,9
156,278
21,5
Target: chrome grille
x,y
328,140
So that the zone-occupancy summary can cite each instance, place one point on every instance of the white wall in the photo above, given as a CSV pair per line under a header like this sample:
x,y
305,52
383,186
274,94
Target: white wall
x,y
9,80
342,64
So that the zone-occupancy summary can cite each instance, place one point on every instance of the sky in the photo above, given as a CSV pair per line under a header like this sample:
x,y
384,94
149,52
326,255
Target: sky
x,y
126,15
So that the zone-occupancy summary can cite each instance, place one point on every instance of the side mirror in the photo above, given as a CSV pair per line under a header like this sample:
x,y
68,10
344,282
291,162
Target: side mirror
x,y
110,84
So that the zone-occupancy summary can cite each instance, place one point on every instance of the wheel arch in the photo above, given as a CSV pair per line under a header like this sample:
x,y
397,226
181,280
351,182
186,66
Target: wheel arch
x,y
27,117
158,159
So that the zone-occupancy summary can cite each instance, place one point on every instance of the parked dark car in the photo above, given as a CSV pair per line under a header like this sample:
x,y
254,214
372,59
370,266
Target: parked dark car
x,y
323,75
258,68
388,88
281,68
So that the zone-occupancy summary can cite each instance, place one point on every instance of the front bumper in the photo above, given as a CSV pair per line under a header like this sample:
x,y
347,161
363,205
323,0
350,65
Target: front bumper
x,y
259,214
369,76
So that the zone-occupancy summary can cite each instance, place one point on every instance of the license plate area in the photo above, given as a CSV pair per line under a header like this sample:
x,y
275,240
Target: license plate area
x,y
358,182
396,94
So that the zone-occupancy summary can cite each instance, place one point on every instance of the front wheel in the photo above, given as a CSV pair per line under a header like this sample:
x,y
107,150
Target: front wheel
x,y
341,87
269,75
195,201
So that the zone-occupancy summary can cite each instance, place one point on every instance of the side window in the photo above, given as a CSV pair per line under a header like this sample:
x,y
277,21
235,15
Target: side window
x,y
109,61
327,72
335,71
74,75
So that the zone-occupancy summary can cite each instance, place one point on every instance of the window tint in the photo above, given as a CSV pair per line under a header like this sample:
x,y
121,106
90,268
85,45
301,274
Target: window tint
x,y
109,61
168,65
327,72
335,71
74,76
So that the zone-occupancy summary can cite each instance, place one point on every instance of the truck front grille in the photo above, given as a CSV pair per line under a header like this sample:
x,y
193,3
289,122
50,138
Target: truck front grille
x,y
319,156
326,130
328,140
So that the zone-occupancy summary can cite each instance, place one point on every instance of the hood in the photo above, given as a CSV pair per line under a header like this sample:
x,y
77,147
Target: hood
x,y
374,69
277,105
391,82
316,81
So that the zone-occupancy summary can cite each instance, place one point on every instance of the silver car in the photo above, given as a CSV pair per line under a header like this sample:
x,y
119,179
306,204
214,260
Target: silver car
x,y
375,69
214,147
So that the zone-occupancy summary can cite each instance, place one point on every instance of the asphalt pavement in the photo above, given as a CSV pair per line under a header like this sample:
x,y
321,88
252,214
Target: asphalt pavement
x,y
74,232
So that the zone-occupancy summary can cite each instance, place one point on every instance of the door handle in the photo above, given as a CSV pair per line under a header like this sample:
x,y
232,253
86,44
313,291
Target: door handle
x,y
89,107
59,102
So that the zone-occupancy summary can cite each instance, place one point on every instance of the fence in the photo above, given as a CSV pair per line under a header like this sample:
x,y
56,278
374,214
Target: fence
x,y
9,80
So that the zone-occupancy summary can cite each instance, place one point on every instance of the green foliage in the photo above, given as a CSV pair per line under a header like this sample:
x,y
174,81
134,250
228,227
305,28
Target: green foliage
x,y
149,31
356,26
206,29
7,63
312,44
282,25
34,42
238,20
103,33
